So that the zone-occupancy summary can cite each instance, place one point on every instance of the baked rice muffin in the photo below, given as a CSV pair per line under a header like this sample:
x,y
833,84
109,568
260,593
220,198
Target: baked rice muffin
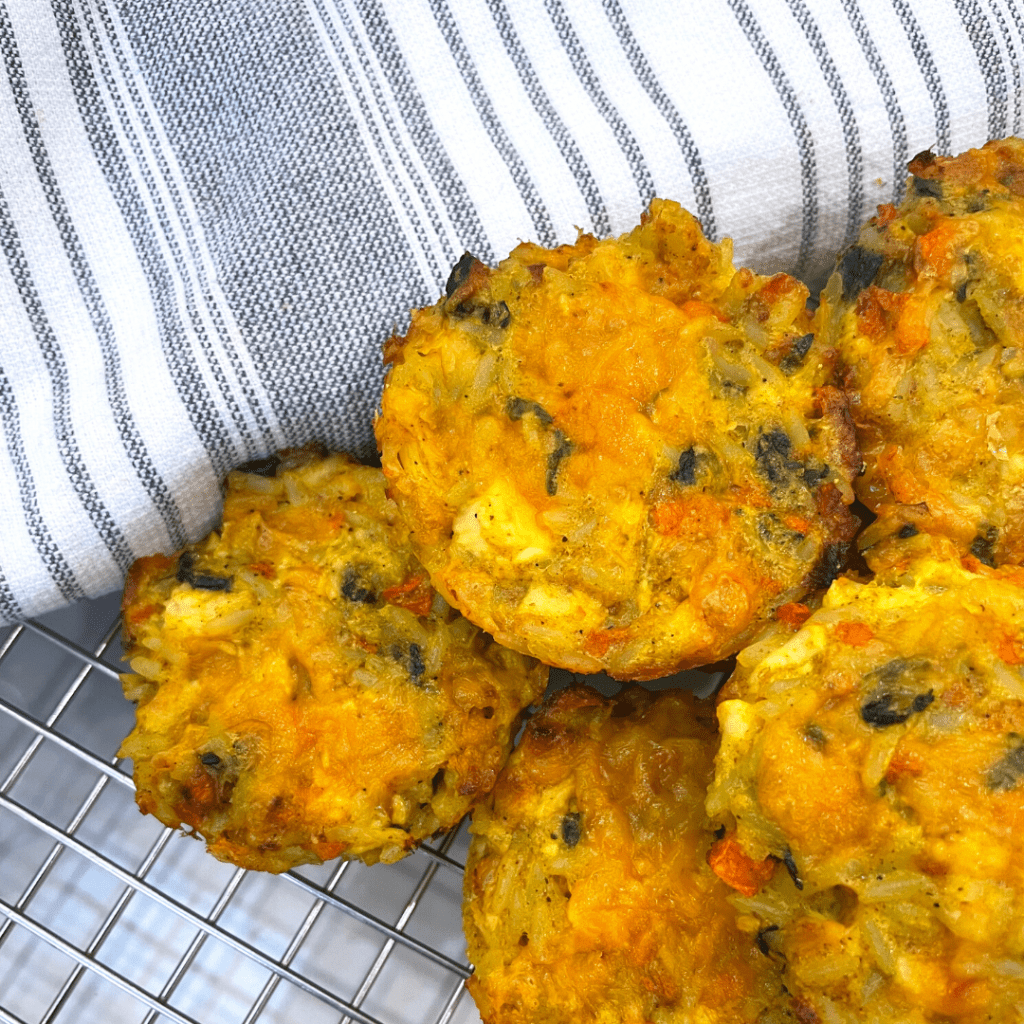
x,y
587,893
872,771
927,310
302,692
619,455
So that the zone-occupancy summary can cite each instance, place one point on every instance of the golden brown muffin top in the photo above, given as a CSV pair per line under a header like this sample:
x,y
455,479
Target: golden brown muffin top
x,y
302,691
587,895
876,758
927,311
619,455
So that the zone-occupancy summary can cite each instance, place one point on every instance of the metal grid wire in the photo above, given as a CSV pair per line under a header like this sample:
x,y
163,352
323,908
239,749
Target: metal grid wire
x,y
107,916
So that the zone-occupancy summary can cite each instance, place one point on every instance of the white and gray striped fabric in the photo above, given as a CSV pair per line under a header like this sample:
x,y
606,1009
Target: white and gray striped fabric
x,y
213,212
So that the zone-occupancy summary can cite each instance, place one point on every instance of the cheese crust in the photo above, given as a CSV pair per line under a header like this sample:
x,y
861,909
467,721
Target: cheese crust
x,y
927,310
302,692
876,757
587,895
619,455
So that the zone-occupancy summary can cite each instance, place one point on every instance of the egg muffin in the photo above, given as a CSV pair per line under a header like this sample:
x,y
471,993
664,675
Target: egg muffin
x,y
302,691
927,311
870,788
620,455
587,893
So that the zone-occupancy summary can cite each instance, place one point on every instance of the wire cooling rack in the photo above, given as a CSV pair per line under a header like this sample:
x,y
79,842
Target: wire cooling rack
x,y
108,917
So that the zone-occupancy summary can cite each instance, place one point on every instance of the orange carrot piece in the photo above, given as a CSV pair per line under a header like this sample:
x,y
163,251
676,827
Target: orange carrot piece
x,y
727,859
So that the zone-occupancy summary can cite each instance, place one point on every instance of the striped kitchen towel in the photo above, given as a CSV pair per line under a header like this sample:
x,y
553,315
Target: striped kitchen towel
x,y
213,212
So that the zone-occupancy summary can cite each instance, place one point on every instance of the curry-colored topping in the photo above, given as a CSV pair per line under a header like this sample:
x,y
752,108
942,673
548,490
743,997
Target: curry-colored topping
x,y
588,896
302,692
890,773
622,454
927,312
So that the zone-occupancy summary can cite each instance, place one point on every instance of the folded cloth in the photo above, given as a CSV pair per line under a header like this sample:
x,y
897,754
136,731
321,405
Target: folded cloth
x,y
213,214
